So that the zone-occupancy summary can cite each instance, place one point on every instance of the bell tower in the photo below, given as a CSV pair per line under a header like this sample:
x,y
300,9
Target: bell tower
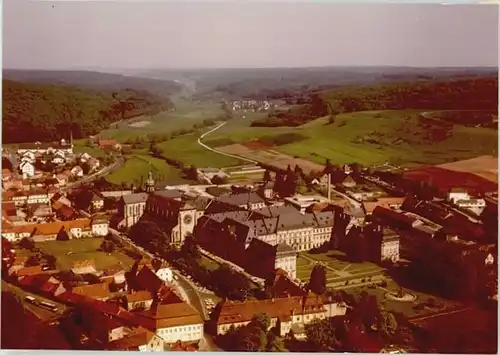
x,y
150,183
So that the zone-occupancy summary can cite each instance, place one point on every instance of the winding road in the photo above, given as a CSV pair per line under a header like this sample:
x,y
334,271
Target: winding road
x,y
219,152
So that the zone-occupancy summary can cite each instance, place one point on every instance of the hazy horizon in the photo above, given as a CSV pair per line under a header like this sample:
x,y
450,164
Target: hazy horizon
x,y
125,36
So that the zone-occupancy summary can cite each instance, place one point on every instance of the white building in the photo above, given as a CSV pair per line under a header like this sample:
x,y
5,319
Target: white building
x,y
458,194
77,171
27,169
132,208
100,227
176,321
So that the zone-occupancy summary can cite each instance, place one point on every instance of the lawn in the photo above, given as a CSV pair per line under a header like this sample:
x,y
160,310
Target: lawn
x,y
337,267
408,309
84,249
187,150
137,167
397,133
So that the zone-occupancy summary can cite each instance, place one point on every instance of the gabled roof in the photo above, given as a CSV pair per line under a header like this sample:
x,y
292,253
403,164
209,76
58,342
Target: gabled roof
x,y
170,315
135,198
146,279
99,290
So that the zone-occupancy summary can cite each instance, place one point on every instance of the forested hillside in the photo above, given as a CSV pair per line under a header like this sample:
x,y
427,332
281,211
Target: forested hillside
x,y
93,80
454,94
37,112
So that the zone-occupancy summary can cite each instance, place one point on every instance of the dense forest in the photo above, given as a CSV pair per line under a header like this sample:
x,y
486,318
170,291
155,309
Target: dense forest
x,y
93,80
453,94
38,112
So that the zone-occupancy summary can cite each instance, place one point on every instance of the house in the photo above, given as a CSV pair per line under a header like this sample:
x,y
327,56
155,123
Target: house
x,y
349,182
140,339
267,190
97,202
100,227
49,231
84,267
163,270
109,144
27,169
174,322
85,157
99,291
139,300
246,200
457,194
77,171
59,158
145,279
286,314
93,164
393,203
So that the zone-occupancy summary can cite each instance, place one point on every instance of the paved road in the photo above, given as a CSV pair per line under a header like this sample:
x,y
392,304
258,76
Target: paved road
x,y
41,313
103,172
219,152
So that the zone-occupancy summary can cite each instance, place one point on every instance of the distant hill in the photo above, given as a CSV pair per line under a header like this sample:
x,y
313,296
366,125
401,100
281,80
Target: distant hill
x,y
476,93
40,112
269,83
94,80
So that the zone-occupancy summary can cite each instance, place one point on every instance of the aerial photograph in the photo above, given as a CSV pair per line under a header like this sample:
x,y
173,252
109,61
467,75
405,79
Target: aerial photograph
x,y
249,176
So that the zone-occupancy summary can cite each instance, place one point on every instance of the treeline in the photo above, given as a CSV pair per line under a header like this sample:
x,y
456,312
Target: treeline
x,y
37,112
92,80
457,94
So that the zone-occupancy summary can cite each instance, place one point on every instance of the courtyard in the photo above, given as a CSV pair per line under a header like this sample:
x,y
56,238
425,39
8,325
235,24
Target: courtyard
x,y
339,271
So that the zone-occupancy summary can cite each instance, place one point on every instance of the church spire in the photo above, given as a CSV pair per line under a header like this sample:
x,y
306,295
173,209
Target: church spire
x,y
150,182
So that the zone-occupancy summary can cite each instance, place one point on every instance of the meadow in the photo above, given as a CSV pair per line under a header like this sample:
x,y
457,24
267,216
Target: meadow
x,y
137,167
185,115
368,137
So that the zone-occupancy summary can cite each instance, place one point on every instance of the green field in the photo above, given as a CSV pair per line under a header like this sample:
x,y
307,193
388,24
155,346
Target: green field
x,y
187,150
186,114
84,249
399,139
137,167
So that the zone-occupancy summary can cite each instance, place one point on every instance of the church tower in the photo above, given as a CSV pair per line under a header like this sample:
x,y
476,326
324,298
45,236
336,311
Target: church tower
x,y
150,183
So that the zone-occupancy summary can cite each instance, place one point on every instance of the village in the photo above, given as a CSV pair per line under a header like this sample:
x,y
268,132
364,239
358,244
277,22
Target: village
x,y
178,267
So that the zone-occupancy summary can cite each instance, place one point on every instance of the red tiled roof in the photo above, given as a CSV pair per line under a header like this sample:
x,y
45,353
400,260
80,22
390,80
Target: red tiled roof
x,y
50,228
99,290
29,270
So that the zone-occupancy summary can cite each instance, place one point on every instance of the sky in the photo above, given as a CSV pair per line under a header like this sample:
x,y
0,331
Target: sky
x,y
131,35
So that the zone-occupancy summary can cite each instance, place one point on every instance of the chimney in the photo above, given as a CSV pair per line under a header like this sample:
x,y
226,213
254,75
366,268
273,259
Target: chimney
x,y
329,193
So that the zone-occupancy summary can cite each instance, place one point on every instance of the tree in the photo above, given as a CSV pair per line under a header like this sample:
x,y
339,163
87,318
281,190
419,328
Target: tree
x,y
261,321
219,180
275,344
192,173
27,243
33,260
388,325
267,176
190,248
317,280
108,246
321,335
331,119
